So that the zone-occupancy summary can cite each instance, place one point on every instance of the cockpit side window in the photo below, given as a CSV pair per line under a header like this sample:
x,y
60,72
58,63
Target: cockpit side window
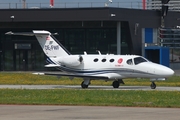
x,y
138,60
129,62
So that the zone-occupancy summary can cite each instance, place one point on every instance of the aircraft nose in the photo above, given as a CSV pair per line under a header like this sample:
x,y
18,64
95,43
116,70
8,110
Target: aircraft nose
x,y
168,71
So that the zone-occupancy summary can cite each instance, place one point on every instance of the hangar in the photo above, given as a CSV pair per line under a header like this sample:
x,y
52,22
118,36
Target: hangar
x,y
108,29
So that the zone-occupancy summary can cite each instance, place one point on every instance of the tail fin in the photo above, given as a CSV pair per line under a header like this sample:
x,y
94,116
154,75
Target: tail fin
x,y
50,46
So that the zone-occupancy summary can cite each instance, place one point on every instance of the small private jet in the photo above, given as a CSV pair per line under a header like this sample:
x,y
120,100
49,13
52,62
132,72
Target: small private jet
x,y
98,66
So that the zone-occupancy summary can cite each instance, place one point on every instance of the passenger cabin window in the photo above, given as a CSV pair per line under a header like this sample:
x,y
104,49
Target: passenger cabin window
x,y
111,60
138,60
129,62
103,60
95,60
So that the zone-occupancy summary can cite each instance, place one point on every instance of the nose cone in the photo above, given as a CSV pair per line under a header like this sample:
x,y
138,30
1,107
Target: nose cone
x,y
168,72
163,71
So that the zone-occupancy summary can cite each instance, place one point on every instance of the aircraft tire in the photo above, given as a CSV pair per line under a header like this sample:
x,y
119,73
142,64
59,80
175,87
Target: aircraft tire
x,y
153,85
115,84
84,85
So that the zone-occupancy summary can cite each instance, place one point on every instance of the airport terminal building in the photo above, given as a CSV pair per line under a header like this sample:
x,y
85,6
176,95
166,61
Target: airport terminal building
x,y
107,29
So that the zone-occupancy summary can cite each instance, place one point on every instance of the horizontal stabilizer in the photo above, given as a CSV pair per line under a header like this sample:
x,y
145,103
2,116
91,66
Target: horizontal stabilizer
x,y
52,65
27,33
38,73
157,79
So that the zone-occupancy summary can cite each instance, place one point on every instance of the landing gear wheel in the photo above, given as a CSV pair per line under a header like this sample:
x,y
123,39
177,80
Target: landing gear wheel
x,y
84,85
153,85
116,84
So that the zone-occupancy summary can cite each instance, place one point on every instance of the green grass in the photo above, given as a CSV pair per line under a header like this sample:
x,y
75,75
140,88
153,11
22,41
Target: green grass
x,y
85,96
91,97
30,79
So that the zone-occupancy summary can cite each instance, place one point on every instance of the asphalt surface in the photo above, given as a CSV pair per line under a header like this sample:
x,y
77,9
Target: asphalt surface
x,y
89,88
43,112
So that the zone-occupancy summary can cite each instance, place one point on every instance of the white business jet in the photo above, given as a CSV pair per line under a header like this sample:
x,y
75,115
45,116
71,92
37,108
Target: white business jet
x,y
91,67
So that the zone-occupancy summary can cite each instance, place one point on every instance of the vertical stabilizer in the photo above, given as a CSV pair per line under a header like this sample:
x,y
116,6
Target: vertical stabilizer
x,y
50,46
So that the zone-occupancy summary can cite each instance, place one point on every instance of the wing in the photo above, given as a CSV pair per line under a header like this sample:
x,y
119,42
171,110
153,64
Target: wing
x,y
72,75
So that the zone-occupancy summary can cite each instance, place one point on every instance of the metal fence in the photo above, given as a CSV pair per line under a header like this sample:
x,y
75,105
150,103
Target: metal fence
x,y
135,5
174,5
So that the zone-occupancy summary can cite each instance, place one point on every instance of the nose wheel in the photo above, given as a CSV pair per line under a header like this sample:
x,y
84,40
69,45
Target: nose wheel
x,y
153,85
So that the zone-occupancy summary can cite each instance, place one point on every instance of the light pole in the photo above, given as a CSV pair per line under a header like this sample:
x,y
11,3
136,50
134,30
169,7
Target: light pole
x,y
107,3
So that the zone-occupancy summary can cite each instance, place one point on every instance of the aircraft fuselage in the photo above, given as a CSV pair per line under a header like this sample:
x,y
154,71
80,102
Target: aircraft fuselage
x,y
112,66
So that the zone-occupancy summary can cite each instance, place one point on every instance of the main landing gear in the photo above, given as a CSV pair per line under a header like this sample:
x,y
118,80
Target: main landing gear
x,y
116,83
85,83
153,85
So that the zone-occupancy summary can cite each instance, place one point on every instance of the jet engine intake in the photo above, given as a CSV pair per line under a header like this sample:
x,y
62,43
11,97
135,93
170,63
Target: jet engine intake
x,y
74,60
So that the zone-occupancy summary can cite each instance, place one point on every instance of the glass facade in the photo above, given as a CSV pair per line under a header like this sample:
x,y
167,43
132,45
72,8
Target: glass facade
x,y
20,53
23,53
171,38
89,39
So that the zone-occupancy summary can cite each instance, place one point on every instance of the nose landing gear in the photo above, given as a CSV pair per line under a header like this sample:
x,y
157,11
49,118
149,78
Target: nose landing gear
x,y
153,85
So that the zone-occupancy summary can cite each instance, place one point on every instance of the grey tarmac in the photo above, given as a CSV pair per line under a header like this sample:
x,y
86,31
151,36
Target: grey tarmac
x,y
91,87
45,112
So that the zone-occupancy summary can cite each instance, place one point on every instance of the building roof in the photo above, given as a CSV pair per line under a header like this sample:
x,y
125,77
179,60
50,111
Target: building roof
x,y
76,14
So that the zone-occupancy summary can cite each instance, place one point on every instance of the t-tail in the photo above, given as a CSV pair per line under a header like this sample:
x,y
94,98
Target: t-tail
x,y
49,44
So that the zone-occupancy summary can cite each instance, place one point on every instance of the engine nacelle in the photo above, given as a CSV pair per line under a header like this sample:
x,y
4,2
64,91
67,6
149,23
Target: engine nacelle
x,y
71,60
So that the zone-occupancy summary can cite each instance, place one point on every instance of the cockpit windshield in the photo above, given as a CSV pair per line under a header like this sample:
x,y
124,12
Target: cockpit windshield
x,y
138,60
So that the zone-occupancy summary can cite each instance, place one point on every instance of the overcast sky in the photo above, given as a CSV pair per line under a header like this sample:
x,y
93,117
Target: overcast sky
x,y
70,3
